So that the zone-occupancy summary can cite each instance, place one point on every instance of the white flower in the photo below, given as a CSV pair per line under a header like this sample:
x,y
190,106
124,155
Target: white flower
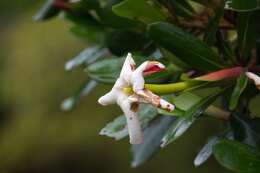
x,y
255,78
128,102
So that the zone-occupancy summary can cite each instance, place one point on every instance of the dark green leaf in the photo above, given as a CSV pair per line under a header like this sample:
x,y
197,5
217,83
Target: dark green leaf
x,y
237,157
152,140
122,41
243,5
87,56
107,17
139,9
86,28
117,128
238,90
189,117
185,46
246,130
88,4
84,90
206,151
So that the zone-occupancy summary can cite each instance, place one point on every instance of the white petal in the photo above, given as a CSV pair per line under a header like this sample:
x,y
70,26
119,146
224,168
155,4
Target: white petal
x,y
166,105
137,79
133,124
109,98
255,78
147,96
128,68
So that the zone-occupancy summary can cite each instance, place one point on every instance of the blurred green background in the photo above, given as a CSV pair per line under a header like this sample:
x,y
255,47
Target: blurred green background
x,y
36,136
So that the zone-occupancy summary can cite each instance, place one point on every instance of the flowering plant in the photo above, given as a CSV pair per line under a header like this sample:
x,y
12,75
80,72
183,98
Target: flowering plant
x,y
190,59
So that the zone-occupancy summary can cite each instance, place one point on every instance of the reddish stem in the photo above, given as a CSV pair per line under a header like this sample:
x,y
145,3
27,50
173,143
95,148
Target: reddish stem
x,y
62,5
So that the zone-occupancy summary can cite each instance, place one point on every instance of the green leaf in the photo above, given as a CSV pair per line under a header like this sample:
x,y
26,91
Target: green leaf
x,y
246,130
139,9
189,117
152,139
86,28
47,11
206,151
238,90
122,41
87,56
117,129
243,5
107,17
106,71
237,157
88,5
84,90
186,100
248,29
185,46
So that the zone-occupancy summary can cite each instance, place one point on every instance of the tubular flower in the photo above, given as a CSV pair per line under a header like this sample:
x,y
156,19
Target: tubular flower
x,y
129,101
255,78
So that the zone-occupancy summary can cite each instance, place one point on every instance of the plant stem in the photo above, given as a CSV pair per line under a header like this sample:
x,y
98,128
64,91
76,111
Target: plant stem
x,y
162,89
218,113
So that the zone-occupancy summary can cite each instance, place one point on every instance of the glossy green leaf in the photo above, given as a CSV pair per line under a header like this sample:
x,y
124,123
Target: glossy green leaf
x,y
248,29
206,151
87,56
189,117
121,42
185,46
238,90
84,90
152,138
237,157
117,128
139,9
243,5
86,28
108,18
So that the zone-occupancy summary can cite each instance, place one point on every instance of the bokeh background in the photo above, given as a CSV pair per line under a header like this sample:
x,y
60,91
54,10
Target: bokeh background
x,y
36,136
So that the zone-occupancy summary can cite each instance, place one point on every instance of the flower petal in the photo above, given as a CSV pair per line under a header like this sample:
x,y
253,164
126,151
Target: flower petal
x,y
133,124
153,67
109,98
255,78
148,67
128,68
147,96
